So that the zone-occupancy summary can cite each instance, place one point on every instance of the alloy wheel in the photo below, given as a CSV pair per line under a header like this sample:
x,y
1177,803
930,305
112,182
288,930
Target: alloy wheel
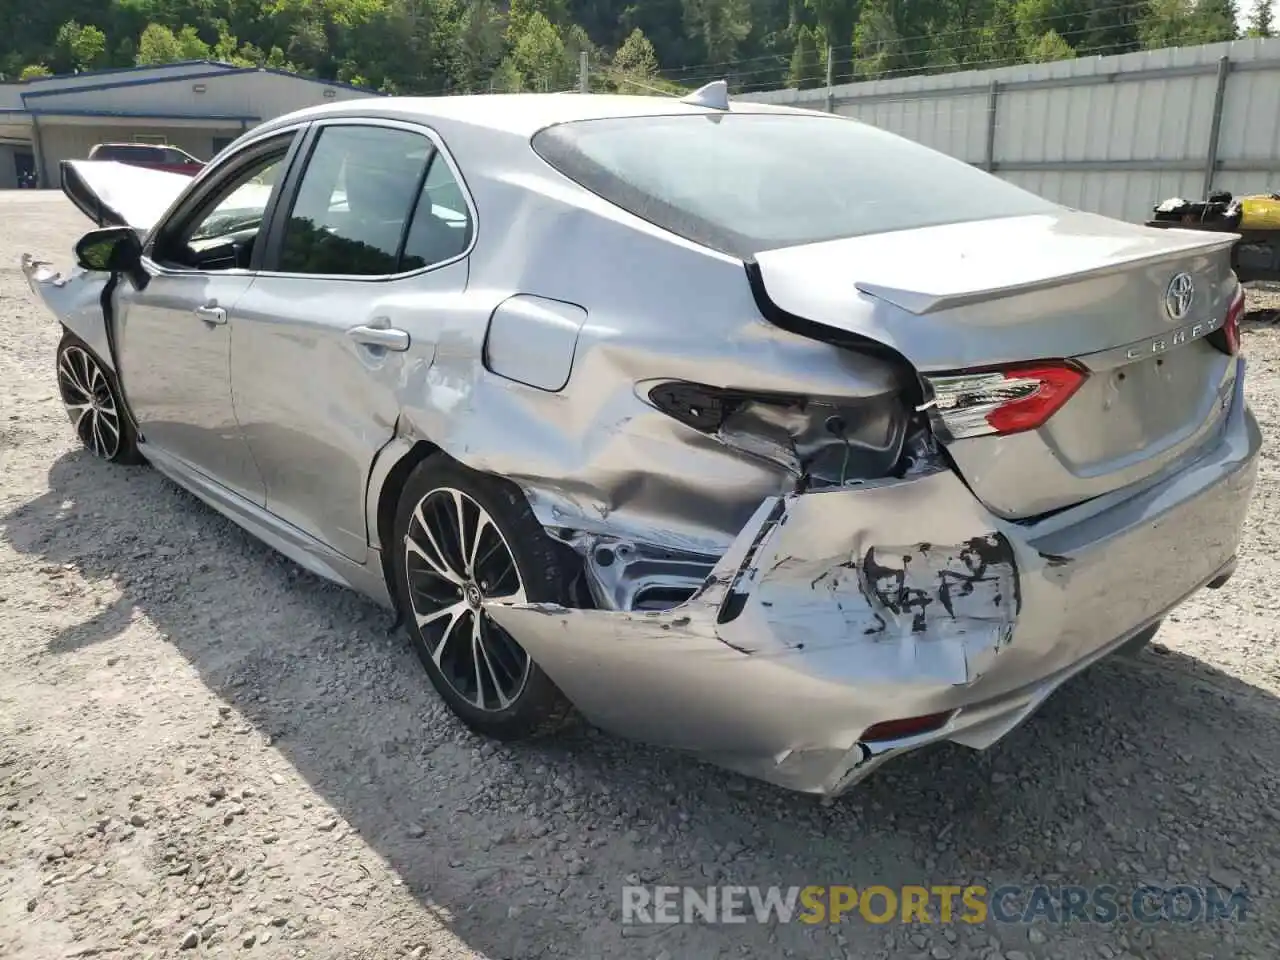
x,y
455,559
86,392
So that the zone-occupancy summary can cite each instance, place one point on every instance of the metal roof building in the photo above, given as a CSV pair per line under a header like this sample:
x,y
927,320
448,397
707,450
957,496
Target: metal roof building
x,y
199,106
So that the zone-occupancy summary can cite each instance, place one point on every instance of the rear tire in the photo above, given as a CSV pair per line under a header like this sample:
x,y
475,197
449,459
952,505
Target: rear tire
x,y
459,537
94,404
1139,641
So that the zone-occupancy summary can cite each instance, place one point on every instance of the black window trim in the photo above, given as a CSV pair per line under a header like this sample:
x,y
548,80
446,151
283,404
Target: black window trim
x,y
284,202
208,183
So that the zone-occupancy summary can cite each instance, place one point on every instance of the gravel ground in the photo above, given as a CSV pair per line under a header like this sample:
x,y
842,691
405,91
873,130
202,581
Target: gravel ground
x,y
205,750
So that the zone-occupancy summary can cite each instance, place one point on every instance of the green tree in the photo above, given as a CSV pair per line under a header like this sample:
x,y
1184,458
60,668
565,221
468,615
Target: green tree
x,y
540,57
805,66
835,20
721,25
34,71
1049,47
636,56
480,45
998,41
1215,21
190,46
308,43
1109,28
158,45
507,78
890,39
1067,19
1260,19
79,48
1169,23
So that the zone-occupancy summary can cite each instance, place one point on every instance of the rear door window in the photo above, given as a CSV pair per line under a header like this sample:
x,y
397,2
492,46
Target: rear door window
x,y
366,206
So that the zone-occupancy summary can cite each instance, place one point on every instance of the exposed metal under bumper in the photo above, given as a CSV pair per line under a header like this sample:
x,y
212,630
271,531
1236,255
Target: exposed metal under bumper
x,y
835,611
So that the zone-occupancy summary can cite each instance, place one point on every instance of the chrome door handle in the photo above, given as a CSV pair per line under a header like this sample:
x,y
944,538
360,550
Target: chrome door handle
x,y
211,314
388,338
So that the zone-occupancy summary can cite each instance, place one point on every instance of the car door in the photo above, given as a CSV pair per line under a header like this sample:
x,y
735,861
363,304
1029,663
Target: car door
x,y
174,335
369,246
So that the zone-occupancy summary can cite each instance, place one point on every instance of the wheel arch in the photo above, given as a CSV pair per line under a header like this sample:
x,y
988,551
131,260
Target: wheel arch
x,y
86,320
391,469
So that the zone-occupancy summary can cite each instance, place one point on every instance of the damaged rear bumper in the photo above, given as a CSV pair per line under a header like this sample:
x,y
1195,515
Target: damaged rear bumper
x,y
837,611
74,299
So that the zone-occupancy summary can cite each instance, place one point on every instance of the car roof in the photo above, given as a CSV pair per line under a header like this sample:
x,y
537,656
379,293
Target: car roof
x,y
523,114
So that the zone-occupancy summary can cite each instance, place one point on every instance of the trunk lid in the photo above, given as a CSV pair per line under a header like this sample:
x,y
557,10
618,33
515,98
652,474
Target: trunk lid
x,y
118,194
1063,287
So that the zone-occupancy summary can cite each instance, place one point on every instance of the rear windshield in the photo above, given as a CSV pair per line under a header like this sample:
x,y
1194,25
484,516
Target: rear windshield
x,y
745,183
126,153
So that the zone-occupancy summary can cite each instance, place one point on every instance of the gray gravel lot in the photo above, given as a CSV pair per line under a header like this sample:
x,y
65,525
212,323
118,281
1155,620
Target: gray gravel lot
x,y
206,751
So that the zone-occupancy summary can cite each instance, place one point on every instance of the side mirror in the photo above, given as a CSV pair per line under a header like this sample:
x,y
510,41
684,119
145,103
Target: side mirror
x,y
115,250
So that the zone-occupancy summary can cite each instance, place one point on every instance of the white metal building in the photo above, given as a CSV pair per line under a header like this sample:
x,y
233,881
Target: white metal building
x,y
199,106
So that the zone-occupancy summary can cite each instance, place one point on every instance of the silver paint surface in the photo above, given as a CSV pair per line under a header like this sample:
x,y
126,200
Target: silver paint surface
x,y
940,590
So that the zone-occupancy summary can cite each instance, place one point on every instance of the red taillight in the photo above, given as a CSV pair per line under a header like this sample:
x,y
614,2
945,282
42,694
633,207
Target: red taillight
x,y
1227,337
1004,401
906,727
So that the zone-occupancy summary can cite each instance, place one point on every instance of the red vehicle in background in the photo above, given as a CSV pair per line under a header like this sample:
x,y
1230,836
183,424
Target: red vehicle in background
x,y
149,155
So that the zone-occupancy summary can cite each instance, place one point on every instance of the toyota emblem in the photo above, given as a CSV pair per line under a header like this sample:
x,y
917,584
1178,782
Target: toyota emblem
x,y
1178,298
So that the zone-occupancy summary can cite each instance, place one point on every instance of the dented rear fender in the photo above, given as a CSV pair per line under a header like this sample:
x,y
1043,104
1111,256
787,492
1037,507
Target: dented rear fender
x,y
843,600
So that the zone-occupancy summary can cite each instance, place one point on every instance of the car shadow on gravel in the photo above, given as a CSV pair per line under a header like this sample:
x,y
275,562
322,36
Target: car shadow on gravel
x,y
1158,770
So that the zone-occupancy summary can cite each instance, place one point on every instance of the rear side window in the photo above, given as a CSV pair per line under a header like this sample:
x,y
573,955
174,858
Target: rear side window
x,y
745,183
441,227
366,207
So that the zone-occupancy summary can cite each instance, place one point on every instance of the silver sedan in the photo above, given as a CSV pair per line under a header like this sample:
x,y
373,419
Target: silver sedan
x,y
750,431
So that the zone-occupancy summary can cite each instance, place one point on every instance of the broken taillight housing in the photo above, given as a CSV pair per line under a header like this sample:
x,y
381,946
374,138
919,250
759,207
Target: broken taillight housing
x,y
1002,401
906,727
827,440
1227,337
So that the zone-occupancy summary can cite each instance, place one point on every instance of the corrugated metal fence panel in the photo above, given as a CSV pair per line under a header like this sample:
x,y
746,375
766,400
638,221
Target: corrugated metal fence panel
x,y
1112,135
1123,194
1250,128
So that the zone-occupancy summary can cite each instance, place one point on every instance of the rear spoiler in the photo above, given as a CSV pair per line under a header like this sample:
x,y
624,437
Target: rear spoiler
x,y
116,194
920,302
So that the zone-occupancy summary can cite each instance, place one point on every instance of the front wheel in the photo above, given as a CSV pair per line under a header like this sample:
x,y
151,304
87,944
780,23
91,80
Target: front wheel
x,y
462,538
94,404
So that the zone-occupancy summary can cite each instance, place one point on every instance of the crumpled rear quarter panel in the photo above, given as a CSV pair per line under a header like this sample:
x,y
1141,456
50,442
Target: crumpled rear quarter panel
x,y
838,648
832,638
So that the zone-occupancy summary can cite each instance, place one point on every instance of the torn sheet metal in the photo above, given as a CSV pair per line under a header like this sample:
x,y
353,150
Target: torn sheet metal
x,y
723,676
782,693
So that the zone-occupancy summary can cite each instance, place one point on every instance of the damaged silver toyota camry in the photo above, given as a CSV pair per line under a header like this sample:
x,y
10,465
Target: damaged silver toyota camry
x,y
750,431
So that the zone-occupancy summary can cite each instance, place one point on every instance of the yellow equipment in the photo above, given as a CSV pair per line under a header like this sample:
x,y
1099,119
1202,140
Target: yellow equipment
x,y
1261,212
